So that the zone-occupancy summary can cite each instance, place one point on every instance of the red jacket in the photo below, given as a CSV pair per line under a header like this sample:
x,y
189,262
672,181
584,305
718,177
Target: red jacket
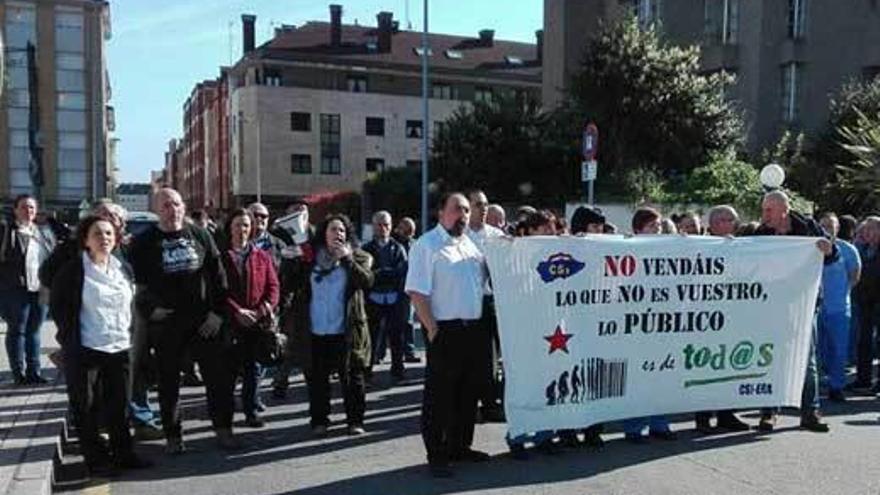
x,y
256,285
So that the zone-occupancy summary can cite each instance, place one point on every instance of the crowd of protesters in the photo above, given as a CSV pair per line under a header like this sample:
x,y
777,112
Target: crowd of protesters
x,y
245,295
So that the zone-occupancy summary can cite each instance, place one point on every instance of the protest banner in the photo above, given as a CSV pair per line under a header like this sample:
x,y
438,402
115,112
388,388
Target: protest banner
x,y
604,327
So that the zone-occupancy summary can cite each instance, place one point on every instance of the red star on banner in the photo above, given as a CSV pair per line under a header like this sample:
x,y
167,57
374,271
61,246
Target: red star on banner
x,y
558,341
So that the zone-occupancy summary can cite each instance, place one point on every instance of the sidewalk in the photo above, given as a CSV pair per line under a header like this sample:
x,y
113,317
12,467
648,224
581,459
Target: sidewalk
x,y
31,420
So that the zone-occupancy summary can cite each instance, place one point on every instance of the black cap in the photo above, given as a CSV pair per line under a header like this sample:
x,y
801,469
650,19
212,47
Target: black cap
x,y
584,216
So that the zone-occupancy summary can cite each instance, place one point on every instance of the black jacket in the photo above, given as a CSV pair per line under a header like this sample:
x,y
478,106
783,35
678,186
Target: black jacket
x,y
65,303
13,249
803,226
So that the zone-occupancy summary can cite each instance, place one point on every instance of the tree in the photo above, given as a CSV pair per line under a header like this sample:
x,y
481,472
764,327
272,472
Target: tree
x,y
654,108
397,190
508,148
817,176
859,174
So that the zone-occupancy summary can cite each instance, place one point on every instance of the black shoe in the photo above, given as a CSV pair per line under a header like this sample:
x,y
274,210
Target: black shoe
x,y
412,358
254,421
19,379
636,438
593,439
858,386
767,423
470,455
440,470
518,452
704,427
103,470
569,439
548,447
492,414
191,380
732,423
131,461
813,422
36,380
279,393
663,435
836,396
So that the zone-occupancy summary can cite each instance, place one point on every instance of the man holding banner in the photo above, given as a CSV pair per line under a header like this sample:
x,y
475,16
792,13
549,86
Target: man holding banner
x,y
778,219
445,282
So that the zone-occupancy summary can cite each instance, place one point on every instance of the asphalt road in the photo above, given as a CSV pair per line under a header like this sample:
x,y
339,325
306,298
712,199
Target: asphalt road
x,y
284,458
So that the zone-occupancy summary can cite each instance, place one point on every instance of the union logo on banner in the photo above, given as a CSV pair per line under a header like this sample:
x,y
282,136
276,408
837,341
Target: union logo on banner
x,y
559,265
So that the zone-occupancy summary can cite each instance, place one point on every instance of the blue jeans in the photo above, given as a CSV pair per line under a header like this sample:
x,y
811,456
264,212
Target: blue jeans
x,y
252,373
24,316
635,426
833,347
139,406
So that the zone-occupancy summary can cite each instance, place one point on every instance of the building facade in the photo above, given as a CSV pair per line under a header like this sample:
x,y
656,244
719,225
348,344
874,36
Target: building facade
x,y
134,197
321,107
56,102
789,56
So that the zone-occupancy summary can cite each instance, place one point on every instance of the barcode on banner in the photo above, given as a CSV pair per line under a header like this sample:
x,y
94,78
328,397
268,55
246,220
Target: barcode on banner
x,y
590,379
604,378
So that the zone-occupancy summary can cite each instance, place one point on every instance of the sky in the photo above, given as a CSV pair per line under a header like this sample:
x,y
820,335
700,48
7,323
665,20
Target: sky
x,y
161,48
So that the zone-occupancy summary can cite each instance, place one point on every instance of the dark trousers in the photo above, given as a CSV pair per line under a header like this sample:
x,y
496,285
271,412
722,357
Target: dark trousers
x,y
455,378
172,340
386,325
97,384
24,316
868,338
251,373
493,392
328,355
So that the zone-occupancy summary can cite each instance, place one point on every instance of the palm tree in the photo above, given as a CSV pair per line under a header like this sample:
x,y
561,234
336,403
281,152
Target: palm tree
x,y
859,178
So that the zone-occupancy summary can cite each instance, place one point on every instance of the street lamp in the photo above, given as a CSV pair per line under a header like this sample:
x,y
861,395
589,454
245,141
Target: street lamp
x,y
425,116
772,176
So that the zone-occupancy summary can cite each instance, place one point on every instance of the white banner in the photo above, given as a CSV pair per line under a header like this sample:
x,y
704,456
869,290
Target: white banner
x,y
604,327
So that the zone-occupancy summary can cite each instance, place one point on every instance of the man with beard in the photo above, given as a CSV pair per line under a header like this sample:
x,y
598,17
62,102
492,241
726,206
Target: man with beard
x,y
445,281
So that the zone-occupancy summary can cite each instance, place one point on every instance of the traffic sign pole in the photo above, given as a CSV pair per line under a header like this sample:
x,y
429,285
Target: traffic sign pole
x,y
589,167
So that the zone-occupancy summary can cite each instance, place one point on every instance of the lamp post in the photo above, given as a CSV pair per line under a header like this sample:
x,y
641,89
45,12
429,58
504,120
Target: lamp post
x,y
772,176
425,118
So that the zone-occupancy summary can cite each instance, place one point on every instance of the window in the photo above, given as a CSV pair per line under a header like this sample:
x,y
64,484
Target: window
x,y
375,126
722,21
71,120
271,77
21,26
375,165
454,54
301,121
356,84
797,18
300,164
72,101
414,164
646,11
331,162
441,91
414,129
483,95
69,31
419,51
792,75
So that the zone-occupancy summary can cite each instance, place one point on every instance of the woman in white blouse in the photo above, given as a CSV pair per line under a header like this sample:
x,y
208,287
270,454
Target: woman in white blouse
x,y
91,303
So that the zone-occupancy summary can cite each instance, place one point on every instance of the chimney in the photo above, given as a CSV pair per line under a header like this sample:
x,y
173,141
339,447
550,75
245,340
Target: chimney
x,y
539,37
486,37
335,25
385,21
247,32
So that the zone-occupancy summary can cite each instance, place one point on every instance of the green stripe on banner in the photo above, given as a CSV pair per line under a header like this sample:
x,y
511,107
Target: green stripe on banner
x,y
732,378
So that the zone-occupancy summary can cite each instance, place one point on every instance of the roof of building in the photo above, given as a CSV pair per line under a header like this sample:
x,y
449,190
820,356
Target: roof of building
x,y
131,188
311,41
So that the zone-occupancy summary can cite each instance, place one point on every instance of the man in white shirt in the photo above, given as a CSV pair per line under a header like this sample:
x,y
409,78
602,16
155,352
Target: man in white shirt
x,y
478,230
445,281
